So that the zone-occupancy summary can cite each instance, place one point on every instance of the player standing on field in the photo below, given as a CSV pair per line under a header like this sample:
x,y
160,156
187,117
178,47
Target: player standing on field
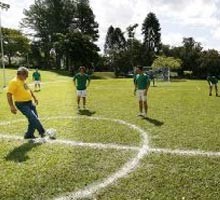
x,y
36,78
212,80
142,83
81,81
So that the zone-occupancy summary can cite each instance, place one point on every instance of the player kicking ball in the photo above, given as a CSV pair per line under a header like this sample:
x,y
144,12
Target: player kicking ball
x,y
20,97
142,83
81,81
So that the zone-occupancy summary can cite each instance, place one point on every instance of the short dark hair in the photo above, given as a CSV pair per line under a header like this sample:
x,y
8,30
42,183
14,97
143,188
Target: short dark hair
x,y
140,67
82,67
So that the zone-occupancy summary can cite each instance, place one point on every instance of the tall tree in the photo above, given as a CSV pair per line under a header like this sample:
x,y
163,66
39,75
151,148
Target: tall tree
x,y
115,45
115,41
131,43
151,31
86,20
108,40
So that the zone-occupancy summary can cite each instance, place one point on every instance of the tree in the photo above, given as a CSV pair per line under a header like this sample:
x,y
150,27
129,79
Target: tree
x,y
209,63
168,62
114,47
115,41
50,18
86,20
15,43
152,38
191,54
131,42
109,40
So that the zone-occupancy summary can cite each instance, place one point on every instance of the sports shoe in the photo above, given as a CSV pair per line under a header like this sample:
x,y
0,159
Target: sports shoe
x,y
139,114
78,108
29,137
144,114
43,135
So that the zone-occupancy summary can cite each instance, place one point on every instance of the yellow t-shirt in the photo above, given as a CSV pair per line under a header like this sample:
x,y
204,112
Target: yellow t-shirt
x,y
20,90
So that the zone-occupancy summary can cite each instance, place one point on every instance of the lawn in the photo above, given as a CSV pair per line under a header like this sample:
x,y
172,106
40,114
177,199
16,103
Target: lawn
x,y
181,116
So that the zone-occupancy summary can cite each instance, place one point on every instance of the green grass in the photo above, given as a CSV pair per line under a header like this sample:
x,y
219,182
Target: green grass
x,y
181,116
103,75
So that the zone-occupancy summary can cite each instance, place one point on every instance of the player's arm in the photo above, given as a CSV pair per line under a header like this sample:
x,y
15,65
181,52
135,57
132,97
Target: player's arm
x,y
88,81
135,86
147,87
11,104
209,82
34,97
74,80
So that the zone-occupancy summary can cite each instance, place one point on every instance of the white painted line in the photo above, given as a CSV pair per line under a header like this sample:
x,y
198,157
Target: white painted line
x,y
75,143
126,169
185,152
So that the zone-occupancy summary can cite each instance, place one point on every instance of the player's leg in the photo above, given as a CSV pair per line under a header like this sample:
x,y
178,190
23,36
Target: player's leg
x,y
78,102
84,102
78,94
35,86
84,98
210,90
145,108
38,85
140,107
216,89
144,100
36,121
138,93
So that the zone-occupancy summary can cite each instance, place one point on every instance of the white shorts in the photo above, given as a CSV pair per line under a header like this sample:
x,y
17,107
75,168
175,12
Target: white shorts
x,y
141,96
37,82
81,93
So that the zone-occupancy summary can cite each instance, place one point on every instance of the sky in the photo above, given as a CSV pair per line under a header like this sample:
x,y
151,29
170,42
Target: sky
x,y
199,19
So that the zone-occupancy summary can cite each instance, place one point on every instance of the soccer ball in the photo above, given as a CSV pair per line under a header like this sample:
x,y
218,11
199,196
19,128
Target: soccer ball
x,y
51,133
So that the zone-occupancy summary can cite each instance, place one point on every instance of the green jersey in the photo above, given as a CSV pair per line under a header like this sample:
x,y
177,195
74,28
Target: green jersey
x,y
142,81
212,79
81,80
36,76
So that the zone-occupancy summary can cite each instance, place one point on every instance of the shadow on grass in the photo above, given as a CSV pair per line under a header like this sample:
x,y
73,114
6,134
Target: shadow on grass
x,y
153,121
19,154
36,91
86,112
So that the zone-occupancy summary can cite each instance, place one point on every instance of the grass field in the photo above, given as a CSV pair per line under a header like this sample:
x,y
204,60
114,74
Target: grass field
x,y
181,117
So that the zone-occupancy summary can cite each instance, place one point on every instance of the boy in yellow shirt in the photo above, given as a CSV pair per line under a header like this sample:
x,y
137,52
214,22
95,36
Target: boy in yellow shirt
x,y
20,97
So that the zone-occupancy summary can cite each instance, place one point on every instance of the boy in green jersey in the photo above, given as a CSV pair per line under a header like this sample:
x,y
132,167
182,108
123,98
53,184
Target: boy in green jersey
x,y
36,78
142,83
81,81
212,80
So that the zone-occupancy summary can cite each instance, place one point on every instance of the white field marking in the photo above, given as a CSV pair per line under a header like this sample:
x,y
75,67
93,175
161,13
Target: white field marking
x,y
127,168
121,147
185,152
75,143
